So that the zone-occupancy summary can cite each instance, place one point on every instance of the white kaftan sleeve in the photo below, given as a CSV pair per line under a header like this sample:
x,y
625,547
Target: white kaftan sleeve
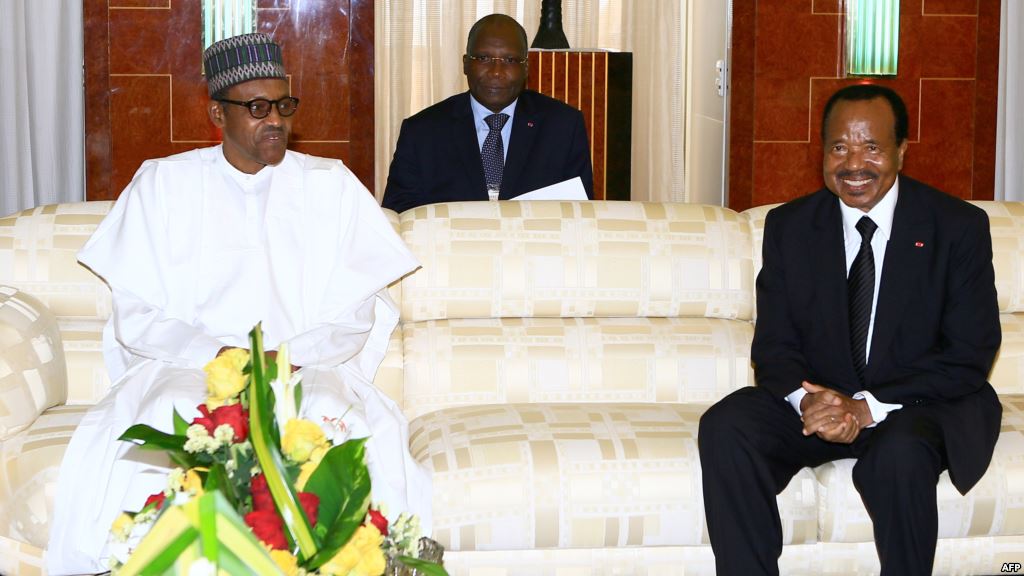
x,y
134,253
336,340
354,317
144,330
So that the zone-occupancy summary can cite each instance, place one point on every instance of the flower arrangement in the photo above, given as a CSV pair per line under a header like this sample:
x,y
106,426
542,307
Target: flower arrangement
x,y
257,489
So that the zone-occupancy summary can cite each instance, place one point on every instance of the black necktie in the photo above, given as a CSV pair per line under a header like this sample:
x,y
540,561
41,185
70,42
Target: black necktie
x,y
493,151
861,288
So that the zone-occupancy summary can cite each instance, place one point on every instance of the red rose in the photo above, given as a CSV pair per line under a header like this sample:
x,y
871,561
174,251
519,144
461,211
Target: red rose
x,y
235,416
158,498
205,419
310,505
267,526
232,414
378,520
261,498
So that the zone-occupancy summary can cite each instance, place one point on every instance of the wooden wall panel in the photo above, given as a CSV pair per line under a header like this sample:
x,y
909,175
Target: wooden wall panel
x,y
146,95
599,84
787,61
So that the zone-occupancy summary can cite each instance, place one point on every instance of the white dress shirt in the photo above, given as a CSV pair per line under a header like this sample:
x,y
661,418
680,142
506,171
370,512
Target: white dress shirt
x,y
480,113
882,215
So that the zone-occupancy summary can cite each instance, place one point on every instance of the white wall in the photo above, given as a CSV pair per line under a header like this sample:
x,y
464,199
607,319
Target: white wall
x,y
706,143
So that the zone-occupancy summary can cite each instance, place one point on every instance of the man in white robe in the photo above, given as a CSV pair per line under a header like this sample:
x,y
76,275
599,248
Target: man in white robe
x,y
199,248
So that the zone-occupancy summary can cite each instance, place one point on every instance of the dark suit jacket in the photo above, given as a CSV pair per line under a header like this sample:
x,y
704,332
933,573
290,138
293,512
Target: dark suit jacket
x,y
936,324
437,158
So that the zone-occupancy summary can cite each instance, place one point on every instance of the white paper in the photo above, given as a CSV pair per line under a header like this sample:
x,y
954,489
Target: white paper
x,y
571,189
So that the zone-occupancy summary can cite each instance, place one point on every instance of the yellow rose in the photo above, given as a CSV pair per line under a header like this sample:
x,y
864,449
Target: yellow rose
x,y
361,556
288,563
224,378
122,526
301,438
310,466
192,483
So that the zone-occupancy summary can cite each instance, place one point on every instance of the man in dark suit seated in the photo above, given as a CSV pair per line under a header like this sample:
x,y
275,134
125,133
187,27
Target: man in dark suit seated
x,y
877,327
496,141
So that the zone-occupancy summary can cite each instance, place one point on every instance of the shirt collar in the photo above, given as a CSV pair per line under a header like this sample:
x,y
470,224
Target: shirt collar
x,y
480,111
881,214
247,182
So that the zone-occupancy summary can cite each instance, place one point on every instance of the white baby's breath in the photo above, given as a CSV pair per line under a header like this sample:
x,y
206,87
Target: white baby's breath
x,y
224,434
199,440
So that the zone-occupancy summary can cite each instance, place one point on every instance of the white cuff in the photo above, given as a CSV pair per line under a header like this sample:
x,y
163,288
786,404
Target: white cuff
x,y
879,410
795,397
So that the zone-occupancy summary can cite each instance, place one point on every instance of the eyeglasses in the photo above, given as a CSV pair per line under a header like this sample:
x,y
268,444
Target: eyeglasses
x,y
260,107
508,60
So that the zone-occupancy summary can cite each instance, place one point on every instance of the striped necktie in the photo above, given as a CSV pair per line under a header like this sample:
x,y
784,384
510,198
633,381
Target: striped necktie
x,y
861,287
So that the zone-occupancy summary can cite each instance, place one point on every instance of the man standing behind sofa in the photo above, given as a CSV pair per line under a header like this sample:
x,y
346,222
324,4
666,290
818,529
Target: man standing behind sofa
x,y
496,141
200,247
877,327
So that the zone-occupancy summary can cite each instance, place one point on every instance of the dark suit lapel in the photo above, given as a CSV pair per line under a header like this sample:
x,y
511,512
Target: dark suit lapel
x,y
906,258
524,129
829,251
467,146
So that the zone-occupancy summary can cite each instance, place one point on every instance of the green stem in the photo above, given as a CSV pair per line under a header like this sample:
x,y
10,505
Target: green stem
x,y
268,455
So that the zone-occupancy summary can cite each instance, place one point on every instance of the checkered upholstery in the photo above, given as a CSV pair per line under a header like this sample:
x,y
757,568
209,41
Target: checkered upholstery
x,y
577,259
560,354
32,372
553,359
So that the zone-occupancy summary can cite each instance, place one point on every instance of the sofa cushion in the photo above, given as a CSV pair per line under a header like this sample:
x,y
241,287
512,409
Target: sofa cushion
x,y
508,360
994,507
1007,375
1006,223
525,476
30,462
33,376
20,558
88,380
576,259
39,247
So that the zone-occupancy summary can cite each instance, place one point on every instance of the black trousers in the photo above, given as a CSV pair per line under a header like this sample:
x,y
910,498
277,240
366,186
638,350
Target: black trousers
x,y
751,446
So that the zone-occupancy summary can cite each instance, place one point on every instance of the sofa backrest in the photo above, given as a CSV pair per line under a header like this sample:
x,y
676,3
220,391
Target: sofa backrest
x,y
577,260
526,301
1006,221
37,255
575,302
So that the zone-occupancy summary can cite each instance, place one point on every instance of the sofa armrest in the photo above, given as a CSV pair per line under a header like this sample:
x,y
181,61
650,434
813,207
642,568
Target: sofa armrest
x,y
33,374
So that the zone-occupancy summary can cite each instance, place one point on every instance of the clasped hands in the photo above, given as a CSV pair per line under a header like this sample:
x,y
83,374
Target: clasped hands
x,y
833,416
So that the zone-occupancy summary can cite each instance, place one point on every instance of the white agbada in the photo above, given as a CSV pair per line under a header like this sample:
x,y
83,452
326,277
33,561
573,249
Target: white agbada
x,y
196,253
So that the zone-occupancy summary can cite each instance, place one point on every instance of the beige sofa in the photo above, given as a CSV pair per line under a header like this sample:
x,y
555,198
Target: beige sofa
x,y
553,359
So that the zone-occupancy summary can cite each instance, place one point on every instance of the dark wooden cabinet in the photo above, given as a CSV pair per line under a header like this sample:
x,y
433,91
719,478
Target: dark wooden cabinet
x,y
600,84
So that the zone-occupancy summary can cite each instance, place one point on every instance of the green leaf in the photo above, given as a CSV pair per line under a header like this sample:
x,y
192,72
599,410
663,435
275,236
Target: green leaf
x,y
170,554
208,523
342,482
166,541
425,567
217,480
261,428
184,459
149,438
180,424
208,528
